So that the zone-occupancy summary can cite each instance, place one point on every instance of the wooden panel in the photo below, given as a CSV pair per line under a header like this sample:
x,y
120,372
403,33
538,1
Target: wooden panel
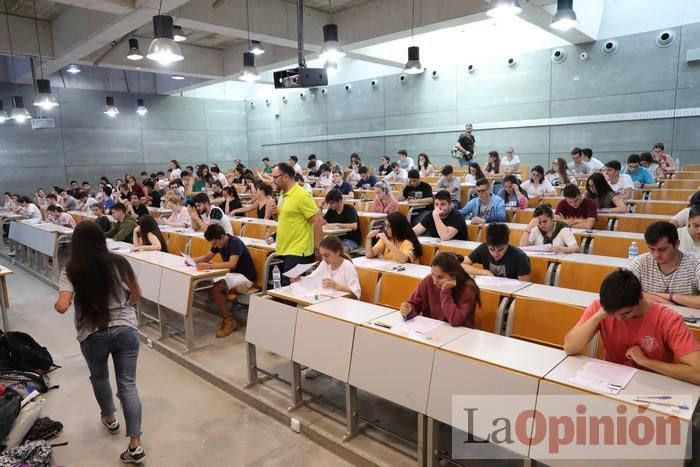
x,y
259,258
634,224
682,184
487,313
177,244
618,247
538,268
394,289
548,325
586,277
429,252
671,195
254,230
368,284
649,207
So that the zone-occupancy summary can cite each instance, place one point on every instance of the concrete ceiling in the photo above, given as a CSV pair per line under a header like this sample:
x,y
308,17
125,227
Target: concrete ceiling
x,y
45,9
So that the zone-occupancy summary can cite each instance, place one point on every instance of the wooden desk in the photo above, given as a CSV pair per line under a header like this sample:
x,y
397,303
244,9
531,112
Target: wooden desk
x,y
41,240
585,272
291,293
7,217
159,212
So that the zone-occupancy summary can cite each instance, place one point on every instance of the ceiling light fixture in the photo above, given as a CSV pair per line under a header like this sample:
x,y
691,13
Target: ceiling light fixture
x,y
177,77
141,107
110,109
331,68
504,8
179,34
163,48
43,97
19,113
249,73
73,69
413,66
256,48
134,50
332,51
565,18
3,114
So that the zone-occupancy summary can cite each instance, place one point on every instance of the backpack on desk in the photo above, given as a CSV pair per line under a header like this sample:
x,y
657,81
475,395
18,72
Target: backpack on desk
x,y
19,351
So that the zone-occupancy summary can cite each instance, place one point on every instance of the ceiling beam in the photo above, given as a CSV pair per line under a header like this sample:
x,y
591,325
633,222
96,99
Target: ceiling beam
x,y
23,35
115,7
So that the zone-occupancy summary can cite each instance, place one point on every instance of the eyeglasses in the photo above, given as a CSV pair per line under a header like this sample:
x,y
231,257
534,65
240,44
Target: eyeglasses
x,y
482,191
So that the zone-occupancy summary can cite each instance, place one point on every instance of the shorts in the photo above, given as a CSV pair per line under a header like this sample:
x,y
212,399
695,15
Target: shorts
x,y
234,279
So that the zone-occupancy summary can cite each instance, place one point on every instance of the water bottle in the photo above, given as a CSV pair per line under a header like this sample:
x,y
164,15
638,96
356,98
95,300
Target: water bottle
x,y
276,278
633,251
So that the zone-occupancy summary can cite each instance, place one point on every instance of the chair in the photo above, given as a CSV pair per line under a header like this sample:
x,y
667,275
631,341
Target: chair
x,y
177,244
237,225
488,316
259,258
515,233
579,276
368,283
538,270
682,184
602,222
671,195
524,172
429,252
474,232
650,207
255,230
523,216
614,246
543,323
200,247
634,224
364,206
394,289
687,175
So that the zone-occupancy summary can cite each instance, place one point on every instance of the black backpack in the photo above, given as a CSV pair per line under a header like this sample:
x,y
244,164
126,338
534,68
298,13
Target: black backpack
x,y
19,351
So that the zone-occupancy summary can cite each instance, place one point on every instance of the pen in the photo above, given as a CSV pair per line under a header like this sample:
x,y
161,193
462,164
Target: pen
x,y
665,404
382,325
656,397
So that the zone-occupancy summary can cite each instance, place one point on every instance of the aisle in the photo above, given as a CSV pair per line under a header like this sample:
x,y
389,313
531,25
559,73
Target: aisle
x,y
187,421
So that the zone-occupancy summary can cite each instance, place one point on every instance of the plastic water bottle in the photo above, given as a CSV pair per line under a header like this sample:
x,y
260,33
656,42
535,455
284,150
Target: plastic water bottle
x,y
633,251
276,278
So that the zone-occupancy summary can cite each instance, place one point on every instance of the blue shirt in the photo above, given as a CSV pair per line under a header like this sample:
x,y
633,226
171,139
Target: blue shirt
x,y
642,175
496,213
371,181
236,247
107,204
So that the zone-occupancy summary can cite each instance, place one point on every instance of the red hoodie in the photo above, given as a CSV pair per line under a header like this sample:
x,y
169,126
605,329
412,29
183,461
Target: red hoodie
x,y
429,301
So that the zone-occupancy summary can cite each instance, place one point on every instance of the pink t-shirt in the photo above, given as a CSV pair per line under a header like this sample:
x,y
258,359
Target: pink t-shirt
x,y
660,332
391,205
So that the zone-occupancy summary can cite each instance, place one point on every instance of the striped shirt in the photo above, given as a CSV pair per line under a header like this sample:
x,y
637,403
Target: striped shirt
x,y
684,280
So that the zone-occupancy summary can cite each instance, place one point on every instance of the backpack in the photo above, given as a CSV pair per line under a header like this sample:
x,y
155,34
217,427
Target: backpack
x,y
10,403
19,351
30,380
31,454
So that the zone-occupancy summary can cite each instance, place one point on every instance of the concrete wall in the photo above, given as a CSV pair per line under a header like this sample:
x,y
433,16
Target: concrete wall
x,y
541,108
87,144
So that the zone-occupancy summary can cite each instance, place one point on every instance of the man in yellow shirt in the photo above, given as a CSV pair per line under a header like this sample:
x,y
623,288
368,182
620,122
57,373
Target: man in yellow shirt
x,y
299,221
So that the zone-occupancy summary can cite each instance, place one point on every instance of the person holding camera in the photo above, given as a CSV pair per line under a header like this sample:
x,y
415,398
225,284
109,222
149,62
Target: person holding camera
x,y
465,149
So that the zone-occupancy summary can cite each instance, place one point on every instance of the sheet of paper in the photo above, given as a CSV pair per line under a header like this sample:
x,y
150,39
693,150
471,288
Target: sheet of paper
x,y
311,286
419,325
603,377
490,281
188,260
372,263
538,248
299,269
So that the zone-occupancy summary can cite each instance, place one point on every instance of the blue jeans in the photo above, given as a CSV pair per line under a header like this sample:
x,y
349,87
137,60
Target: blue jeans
x,y
122,342
349,244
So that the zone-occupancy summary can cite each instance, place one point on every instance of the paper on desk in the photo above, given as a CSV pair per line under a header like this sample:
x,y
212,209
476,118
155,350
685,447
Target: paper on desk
x,y
419,325
538,248
189,261
603,377
491,281
311,287
362,261
299,269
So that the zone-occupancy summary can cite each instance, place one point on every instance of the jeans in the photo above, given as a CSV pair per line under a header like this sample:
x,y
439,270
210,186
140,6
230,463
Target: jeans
x,y
464,163
349,244
122,342
290,261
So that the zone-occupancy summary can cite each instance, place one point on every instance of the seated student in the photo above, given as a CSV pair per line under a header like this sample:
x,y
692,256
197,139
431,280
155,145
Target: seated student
x,y
666,163
559,173
512,195
339,184
324,180
620,183
667,274
100,218
69,202
681,219
596,165
598,190
135,207
425,167
337,271
55,215
123,230
180,216
416,190
444,222
147,236
263,202
28,208
397,174
231,201
398,241
384,201
640,176
238,280
366,180
575,210
474,173
448,293
538,186
689,236
203,214
449,182
637,332
497,257
299,178
8,203
108,201
648,162
486,207
544,230
385,166
342,216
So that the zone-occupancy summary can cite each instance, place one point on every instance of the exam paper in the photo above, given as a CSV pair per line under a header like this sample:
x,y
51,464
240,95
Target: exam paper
x,y
311,286
419,325
188,260
372,263
491,281
538,248
604,377
299,269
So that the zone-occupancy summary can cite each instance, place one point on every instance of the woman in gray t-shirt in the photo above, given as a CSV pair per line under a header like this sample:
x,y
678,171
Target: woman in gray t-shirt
x,y
105,291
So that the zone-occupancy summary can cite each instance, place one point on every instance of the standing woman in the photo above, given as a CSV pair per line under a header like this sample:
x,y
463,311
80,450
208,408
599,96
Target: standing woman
x,y
106,292
425,168
538,186
598,189
559,174
147,236
493,166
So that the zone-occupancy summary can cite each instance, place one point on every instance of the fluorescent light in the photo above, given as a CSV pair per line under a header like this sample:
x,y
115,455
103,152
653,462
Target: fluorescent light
x,y
249,73
332,50
110,109
179,34
178,77
44,98
256,48
73,69
163,48
413,66
134,50
504,8
141,107
565,18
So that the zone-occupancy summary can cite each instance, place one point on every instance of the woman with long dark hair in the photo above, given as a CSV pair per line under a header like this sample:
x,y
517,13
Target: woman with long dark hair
x,y
231,200
425,167
598,189
474,173
263,202
538,186
105,291
448,293
493,166
397,243
147,236
203,179
559,174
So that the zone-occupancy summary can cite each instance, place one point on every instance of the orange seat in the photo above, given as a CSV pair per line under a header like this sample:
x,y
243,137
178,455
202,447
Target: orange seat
x,y
579,276
634,224
429,252
473,232
200,247
259,258
254,230
531,320
394,289
237,225
368,284
618,247
524,216
177,244
487,314
538,270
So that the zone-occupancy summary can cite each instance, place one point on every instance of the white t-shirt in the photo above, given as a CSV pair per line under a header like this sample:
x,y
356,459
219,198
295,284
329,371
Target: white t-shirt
x,y
507,165
556,180
297,168
565,237
534,192
324,182
682,217
469,178
346,275
222,178
392,177
217,216
175,174
688,246
32,210
595,164
624,182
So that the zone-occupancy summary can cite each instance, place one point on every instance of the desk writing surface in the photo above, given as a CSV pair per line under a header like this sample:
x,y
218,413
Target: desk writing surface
x,y
350,310
335,231
271,325
291,293
172,262
660,217
639,237
437,337
254,220
372,215
597,260
548,293
512,286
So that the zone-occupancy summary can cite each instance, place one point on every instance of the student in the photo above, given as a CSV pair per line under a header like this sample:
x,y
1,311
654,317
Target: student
x,y
667,274
231,200
39,199
366,180
405,162
336,270
639,175
538,186
576,210
666,162
425,168
447,294
497,257
451,183
135,208
69,202
648,162
105,292
202,180
354,175
315,161
598,190
559,173
577,166
398,242
203,214
151,195
397,174
55,215
147,236
294,162
637,332
474,173
417,190
267,168
134,187
493,166
689,236
544,230
176,188
100,218
342,216
218,176
299,179
466,146
444,222
123,195
385,167
29,209
175,169
123,230
263,202
180,216
238,280
339,184
620,183
681,218
595,164
486,207
512,195
325,180
384,201
511,163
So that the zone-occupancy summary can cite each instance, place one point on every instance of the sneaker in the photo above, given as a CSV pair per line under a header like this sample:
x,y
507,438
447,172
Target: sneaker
x,y
112,428
227,327
133,456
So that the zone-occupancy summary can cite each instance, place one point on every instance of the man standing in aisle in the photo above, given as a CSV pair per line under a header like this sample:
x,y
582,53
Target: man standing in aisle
x,y
466,146
299,221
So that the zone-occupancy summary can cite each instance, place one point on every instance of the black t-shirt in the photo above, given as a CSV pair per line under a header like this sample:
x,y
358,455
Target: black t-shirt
x,y
514,262
384,169
453,219
467,142
371,181
155,199
425,190
235,247
345,188
104,223
141,210
347,216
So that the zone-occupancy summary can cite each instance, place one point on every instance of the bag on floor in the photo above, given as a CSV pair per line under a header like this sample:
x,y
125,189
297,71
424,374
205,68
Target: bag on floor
x,y
19,351
28,379
44,428
10,405
31,454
